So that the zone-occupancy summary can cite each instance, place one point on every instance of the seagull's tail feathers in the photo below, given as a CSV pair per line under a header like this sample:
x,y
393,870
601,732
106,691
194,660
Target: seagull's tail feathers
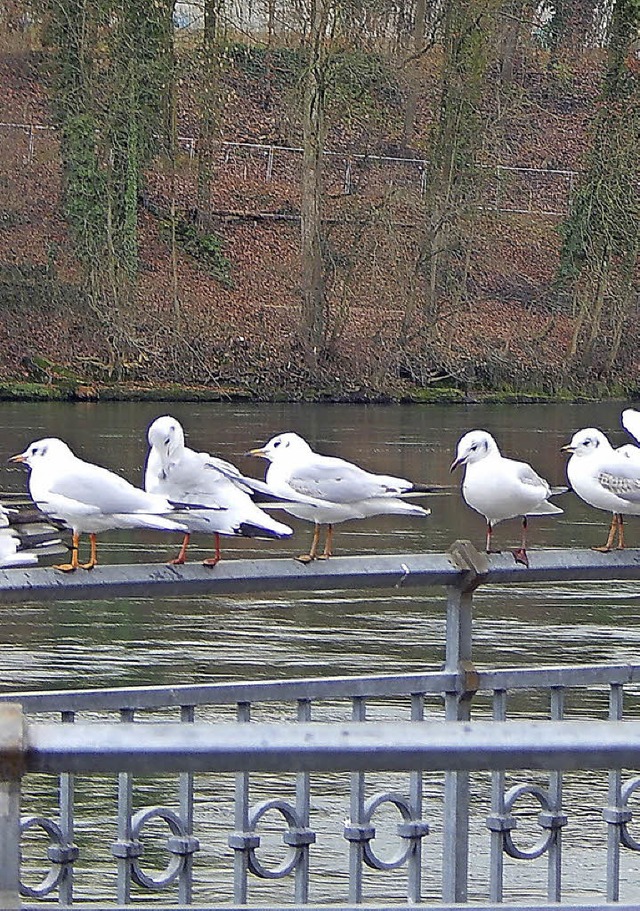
x,y
555,491
148,520
392,506
249,530
424,489
545,509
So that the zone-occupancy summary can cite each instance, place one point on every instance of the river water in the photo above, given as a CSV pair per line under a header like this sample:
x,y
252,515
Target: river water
x,y
172,641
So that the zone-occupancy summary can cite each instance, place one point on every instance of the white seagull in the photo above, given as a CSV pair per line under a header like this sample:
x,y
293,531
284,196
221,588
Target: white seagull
x,y
631,422
500,488
606,478
89,498
20,545
328,490
189,477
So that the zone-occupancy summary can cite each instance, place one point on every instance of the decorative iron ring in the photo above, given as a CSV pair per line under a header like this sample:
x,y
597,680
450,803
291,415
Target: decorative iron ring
x,y
297,837
409,830
179,846
59,853
547,819
628,789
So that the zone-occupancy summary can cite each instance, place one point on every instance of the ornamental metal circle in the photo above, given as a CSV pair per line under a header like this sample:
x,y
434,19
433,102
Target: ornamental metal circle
x,y
56,837
538,849
178,851
628,789
297,837
401,803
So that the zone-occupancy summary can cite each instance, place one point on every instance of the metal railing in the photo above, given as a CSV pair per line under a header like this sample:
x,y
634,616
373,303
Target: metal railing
x,y
515,189
308,733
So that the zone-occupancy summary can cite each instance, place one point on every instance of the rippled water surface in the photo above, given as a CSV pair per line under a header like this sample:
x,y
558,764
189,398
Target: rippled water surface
x,y
173,641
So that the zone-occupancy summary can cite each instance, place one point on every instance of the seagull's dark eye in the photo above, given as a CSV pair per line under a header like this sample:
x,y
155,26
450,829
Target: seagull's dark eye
x,y
277,443
167,441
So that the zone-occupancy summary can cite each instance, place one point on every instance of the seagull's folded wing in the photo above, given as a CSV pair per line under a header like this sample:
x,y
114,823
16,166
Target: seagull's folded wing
x,y
337,481
103,491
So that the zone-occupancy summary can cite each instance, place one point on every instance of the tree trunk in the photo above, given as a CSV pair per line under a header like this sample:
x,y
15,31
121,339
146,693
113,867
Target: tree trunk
x,y
210,104
414,73
313,279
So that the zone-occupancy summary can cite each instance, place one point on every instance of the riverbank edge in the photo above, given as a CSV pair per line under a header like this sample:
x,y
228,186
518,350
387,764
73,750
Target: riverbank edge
x,y
133,392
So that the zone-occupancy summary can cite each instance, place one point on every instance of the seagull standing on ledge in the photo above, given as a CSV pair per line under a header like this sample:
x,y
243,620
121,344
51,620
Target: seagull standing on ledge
x,y
328,490
500,488
88,498
182,475
606,478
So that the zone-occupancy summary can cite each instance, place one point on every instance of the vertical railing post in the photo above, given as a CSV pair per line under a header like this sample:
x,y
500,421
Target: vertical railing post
x,y
303,807
242,841
356,831
67,785
12,759
185,883
557,819
615,815
496,859
457,703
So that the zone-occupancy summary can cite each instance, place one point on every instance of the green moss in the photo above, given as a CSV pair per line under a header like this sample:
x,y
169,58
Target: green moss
x,y
32,392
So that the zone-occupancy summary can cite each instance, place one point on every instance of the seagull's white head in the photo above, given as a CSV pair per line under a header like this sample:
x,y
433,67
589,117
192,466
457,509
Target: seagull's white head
x,y
166,435
587,442
43,452
473,446
284,446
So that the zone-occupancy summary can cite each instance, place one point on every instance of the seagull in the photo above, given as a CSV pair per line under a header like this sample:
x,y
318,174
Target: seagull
x,y
605,477
500,488
20,543
631,422
179,473
89,498
327,490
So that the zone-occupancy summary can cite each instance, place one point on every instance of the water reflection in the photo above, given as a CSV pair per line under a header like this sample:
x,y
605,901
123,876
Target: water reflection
x,y
173,641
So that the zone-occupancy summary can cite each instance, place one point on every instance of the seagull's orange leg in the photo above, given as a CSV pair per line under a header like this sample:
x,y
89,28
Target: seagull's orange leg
x,y
182,556
620,531
307,558
490,550
615,519
328,544
520,554
69,567
93,556
211,561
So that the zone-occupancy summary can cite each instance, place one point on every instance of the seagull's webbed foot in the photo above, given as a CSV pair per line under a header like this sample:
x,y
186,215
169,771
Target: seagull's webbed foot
x,y
313,552
520,556
74,564
182,556
615,526
494,550
93,556
213,561
328,545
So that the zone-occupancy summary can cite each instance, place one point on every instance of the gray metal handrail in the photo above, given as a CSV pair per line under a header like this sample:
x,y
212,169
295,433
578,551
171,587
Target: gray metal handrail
x,y
340,573
158,747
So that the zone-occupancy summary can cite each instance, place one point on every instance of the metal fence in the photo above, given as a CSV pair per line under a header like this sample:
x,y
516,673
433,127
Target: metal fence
x,y
509,188
362,726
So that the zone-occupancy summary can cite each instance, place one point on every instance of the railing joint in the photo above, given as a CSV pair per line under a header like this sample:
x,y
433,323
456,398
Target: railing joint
x,y
473,563
353,832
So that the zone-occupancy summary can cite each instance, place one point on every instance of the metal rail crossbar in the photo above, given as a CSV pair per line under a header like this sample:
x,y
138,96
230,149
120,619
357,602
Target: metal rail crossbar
x,y
437,734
